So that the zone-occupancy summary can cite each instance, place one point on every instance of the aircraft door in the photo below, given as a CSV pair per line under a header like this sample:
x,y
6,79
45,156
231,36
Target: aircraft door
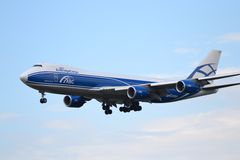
x,y
55,77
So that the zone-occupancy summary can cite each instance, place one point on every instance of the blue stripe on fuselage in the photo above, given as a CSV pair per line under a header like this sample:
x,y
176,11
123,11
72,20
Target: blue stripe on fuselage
x,y
81,80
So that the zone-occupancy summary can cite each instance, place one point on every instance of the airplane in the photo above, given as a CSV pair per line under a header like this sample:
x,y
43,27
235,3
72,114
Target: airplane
x,y
80,86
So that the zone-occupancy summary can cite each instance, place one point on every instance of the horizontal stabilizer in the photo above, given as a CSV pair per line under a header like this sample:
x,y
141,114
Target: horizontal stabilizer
x,y
220,86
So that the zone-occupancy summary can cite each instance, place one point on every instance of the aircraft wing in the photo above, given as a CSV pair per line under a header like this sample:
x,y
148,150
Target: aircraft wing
x,y
163,86
203,80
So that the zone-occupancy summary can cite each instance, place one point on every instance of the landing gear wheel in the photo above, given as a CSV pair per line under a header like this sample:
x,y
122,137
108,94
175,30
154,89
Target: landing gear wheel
x,y
125,109
43,100
108,111
139,108
121,109
135,108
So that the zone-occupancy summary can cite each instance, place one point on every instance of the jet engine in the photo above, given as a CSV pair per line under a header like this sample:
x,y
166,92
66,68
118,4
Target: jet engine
x,y
188,86
138,92
74,101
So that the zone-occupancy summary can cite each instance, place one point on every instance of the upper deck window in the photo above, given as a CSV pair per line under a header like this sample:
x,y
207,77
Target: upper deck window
x,y
37,65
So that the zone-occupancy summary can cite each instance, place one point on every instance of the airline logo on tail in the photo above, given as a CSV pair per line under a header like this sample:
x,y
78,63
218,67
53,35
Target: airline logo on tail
x,y
204,70
208,67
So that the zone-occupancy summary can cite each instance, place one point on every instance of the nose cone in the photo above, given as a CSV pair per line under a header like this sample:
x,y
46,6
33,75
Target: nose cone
x,y
23,77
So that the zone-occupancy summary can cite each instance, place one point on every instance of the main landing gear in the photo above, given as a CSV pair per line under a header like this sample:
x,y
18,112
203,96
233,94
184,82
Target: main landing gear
x,y
134,107
43,99
106,108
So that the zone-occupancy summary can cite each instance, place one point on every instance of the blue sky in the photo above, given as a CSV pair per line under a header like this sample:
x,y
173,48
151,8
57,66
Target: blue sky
x,y
148,38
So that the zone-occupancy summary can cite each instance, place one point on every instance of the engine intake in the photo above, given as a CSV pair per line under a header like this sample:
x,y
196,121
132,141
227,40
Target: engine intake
x,y
138,92
74,101
188,86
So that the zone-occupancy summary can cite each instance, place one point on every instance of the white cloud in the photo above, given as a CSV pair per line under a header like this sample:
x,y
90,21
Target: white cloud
x,y
230,37
216,134
209,135
223,119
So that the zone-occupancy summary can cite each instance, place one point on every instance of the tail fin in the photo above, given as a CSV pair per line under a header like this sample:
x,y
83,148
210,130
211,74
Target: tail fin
x,y
208,67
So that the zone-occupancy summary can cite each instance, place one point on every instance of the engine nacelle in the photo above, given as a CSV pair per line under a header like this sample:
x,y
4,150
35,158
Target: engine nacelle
x,y
74,101
188,86
138,92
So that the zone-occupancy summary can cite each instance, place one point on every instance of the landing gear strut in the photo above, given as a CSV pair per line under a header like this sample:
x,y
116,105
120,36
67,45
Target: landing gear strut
x,y
43,99
106,108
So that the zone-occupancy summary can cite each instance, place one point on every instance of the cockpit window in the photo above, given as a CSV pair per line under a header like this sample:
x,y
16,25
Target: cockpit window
x,y
37,65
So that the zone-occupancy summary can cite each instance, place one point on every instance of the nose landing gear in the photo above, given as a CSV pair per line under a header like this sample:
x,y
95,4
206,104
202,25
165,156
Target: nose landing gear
x,y
43,99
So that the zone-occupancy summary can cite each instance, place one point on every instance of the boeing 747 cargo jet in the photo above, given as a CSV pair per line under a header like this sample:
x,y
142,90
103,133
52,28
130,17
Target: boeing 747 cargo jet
x,y
81,86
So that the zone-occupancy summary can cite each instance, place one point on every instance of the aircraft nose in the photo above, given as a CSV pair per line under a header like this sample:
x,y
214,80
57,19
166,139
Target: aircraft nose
x,y
23,77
